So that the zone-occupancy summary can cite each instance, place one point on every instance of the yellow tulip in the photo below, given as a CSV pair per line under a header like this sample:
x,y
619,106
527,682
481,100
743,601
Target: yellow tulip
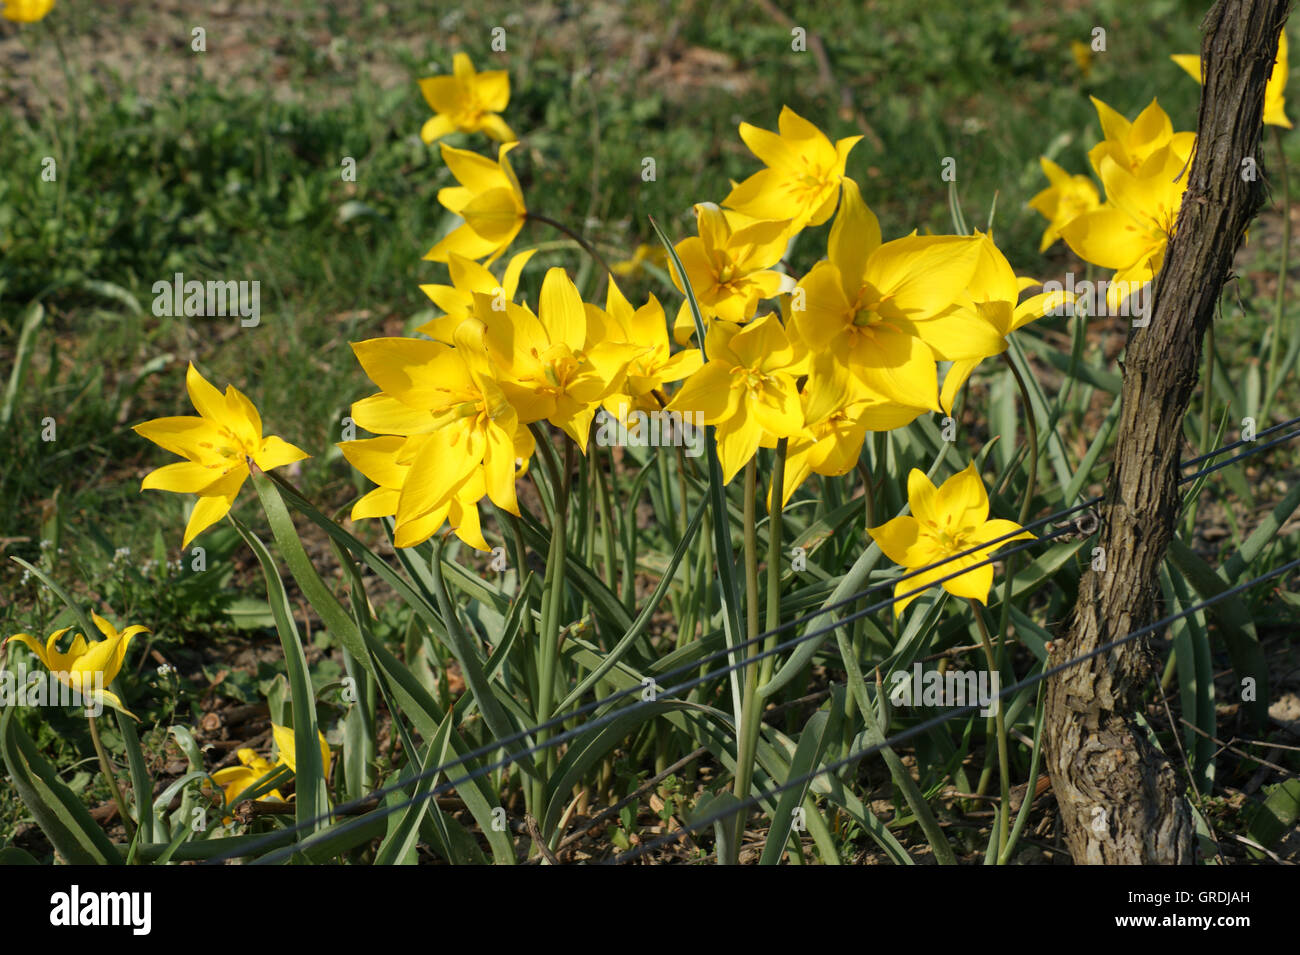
x,y
1131,231
1082,54
284,742
25,11
467,102
457,299
802,180
383,461
551,367
456,422
1064,200
729,265
488,198
866,303
1131,144
653,254
218,446
977,324
653,364
838,411
747,389
944,522
1274,90
236,780
85,667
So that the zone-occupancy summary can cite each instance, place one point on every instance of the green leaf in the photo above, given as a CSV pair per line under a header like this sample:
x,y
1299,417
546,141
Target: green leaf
x,y
728,581
1235,625
56,809
1277,815
325,604
312,797
813,740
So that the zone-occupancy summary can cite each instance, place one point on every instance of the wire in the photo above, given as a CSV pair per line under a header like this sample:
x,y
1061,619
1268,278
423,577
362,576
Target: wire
x,y
1238,443
695,664
753,801
589,725
1238,457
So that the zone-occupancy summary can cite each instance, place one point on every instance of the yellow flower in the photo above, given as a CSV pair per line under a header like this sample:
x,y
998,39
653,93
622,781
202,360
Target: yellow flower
x,y
803,174
218,446
488,198
85,667
1067,198
729,265
236,780
1131,231
25,11
456,422
747,388
866,303
1274,91
1131,144
284,742
467,102
1082,54
654,254
976,326
653,364
457,299
838,411
944,522
382,461
551,367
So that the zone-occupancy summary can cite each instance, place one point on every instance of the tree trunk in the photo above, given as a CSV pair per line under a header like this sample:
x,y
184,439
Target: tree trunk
x,y
1120,799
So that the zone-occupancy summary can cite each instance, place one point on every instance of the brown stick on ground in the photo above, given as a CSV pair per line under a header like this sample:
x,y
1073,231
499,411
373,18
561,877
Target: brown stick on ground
x,y
1121,801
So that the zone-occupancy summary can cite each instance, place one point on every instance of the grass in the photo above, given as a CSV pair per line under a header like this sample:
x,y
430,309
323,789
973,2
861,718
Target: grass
x,y
192,162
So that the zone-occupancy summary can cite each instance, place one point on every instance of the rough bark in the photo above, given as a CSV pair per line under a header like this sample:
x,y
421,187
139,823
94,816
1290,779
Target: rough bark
x,y
1120,799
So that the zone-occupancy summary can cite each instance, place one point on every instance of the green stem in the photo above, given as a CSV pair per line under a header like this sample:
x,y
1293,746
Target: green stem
x,y
746,740
1272,380
106,768
1023,816
1004,764
756,676
772,619
898,772
868,493
586,246
553,595
1031,430
607,531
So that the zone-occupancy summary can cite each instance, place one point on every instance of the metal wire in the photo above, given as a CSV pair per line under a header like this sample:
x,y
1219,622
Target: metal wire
x,y
692,665
753,801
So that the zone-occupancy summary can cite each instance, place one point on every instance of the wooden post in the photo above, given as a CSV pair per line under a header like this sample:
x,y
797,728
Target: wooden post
x,y
1121,800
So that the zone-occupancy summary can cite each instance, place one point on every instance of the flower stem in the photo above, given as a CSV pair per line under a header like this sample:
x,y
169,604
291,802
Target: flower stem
x,y
107,769
552,596
752,702
1004,764
586,246
1031,430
